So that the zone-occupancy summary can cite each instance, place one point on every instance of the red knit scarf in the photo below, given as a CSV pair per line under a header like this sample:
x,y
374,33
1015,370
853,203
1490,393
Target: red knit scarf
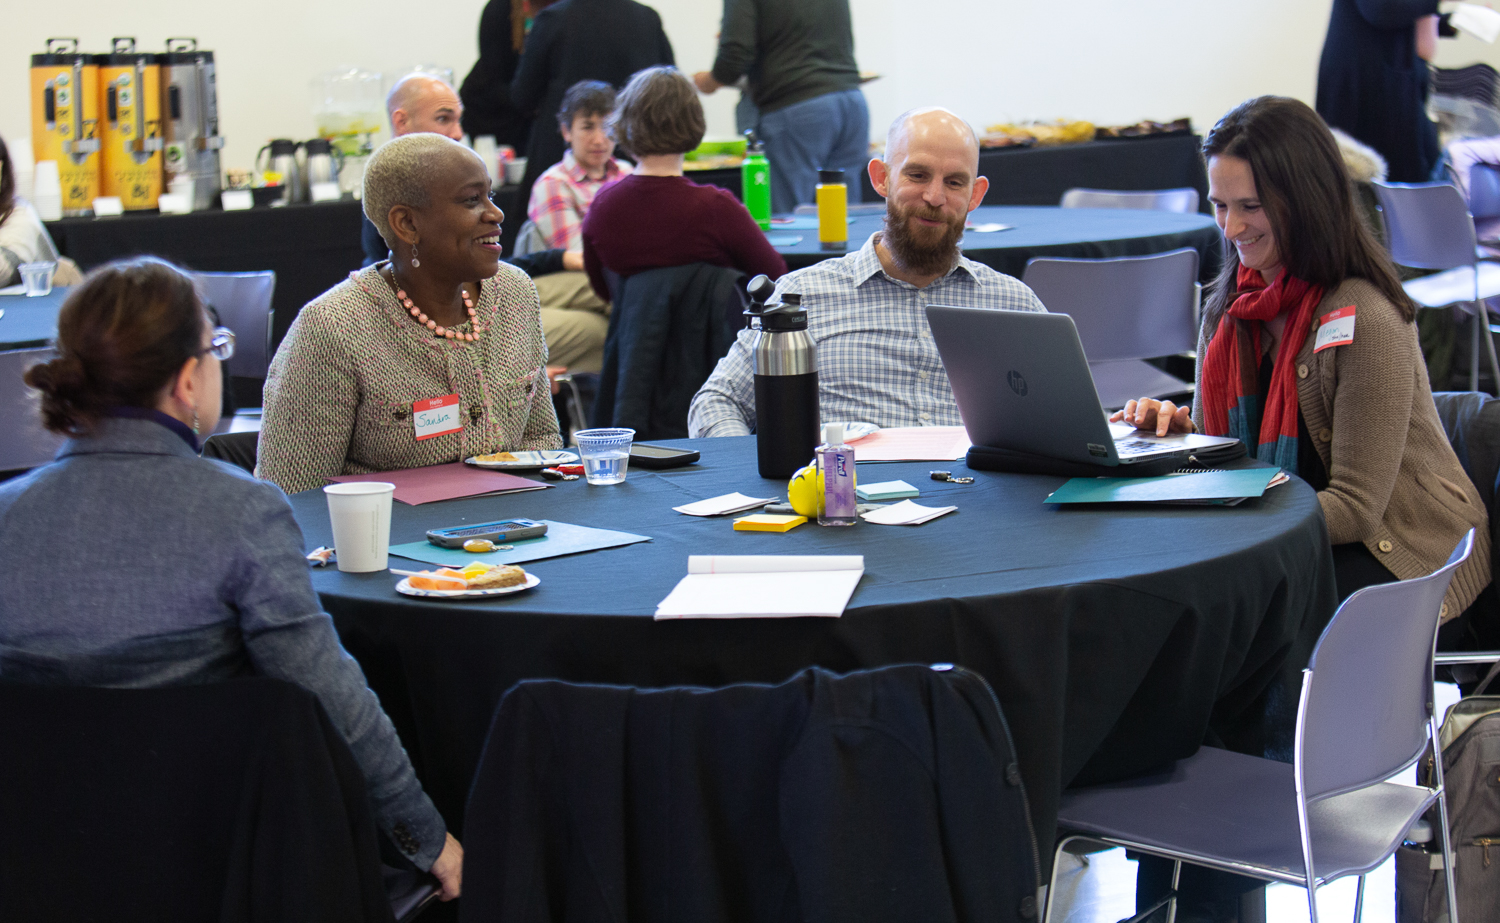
x,y
1230,389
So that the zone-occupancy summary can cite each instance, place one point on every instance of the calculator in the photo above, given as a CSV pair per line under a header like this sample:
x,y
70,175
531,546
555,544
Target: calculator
x,y
506,530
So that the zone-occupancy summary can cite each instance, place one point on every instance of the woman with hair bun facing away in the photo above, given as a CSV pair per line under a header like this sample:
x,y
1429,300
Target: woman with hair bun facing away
x,y
202,576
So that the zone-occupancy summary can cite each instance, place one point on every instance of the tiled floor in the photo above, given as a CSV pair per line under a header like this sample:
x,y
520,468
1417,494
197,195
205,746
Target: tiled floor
x,y
1104,891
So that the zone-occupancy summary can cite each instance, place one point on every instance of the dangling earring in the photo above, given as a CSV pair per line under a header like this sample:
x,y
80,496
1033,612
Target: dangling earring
x,y
195,421
414,261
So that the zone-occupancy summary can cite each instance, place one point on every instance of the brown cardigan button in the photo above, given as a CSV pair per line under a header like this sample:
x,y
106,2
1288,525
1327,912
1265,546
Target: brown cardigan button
x,y
1301,371
1325,434
1385,545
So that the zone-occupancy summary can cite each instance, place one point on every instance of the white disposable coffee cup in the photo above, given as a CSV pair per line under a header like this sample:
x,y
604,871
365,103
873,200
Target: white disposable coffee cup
x,y
361,516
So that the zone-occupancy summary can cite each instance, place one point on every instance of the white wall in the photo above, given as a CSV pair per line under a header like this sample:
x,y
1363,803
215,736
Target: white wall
x,y
1109,61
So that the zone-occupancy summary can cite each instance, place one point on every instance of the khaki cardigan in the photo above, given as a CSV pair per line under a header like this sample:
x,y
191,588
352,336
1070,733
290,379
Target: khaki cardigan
x,y
1394,484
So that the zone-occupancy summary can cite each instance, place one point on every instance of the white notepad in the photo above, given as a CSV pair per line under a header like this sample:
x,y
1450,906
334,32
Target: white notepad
x,y
763,586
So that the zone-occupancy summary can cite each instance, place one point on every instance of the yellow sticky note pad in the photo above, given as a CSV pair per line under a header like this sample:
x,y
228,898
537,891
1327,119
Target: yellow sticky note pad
x,y
767,522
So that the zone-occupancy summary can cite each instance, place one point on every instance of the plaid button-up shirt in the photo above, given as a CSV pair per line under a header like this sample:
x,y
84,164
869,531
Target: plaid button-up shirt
x,y
876,359
562,196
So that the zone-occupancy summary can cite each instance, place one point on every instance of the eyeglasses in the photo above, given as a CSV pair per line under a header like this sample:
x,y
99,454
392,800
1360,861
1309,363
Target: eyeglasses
x,y
221,345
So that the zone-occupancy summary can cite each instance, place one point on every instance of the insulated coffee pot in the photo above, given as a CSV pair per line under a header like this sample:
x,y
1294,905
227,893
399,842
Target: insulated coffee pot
x,y
320,165
786,381
283,161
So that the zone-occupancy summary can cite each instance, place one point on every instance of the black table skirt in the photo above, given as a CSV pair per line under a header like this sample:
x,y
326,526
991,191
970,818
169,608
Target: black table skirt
x,y
1040,175
1116,639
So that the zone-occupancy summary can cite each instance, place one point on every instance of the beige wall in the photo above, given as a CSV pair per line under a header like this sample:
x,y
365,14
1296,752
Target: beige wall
x,y
991,60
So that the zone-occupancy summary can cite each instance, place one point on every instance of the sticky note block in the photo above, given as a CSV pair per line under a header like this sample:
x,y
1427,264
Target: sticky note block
x,y
886,490
766,522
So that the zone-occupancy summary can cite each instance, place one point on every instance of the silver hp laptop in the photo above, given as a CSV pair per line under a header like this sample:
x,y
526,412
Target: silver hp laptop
x,y
1023,384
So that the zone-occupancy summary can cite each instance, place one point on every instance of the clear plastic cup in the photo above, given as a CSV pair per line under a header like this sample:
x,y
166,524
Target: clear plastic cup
x,y
361,516
37,277
605,453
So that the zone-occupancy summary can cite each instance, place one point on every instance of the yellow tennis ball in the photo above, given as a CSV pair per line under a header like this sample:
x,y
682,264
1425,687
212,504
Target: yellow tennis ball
x,y
805,490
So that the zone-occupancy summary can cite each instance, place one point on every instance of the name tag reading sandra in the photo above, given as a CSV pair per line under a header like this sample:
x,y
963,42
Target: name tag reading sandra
x,y
1337,329
436,416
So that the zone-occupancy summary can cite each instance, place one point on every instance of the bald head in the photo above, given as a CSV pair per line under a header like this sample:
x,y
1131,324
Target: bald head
x,y
929,127
422,102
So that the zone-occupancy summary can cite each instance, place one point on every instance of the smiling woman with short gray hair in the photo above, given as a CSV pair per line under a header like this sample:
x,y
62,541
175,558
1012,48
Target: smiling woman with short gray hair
x,y
431,357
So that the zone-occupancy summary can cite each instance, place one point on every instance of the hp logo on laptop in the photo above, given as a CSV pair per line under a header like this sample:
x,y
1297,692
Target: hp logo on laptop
x,y
1017,382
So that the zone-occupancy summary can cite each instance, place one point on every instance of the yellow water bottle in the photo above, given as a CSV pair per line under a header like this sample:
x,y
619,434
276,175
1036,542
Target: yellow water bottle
x,y
833,210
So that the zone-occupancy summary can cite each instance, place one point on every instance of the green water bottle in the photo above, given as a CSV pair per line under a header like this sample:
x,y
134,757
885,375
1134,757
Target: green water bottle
x,y
755,181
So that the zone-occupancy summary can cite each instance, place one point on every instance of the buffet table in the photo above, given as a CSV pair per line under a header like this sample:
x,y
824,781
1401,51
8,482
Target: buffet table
x,y
1116,639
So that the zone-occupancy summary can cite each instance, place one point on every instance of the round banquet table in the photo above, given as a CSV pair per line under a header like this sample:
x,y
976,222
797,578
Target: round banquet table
x,y
1116,638
1034,230
29,323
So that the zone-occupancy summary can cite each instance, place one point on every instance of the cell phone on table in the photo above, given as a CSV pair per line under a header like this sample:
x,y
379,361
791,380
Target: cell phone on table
x,y
660,456
506,530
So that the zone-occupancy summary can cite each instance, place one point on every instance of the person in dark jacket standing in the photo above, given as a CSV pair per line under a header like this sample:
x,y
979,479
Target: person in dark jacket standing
x,y
485,92
1372,83
799,55
574,40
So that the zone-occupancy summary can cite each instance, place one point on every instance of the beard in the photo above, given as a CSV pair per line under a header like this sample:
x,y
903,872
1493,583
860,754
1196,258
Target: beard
x,y
917,248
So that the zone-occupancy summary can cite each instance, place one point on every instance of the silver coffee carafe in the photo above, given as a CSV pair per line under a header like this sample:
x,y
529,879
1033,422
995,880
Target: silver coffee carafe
x,y
190,114
284,161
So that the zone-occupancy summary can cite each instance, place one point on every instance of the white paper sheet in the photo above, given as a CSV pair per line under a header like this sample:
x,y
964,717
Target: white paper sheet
x,y
912,443
763,586
719,506
1479,21
906,513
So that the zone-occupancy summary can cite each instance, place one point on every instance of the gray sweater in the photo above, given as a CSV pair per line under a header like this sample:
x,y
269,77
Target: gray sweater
x,y
793,50
131,562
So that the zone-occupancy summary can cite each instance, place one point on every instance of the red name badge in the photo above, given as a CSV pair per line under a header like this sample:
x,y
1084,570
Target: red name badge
x,y
1337,329
436,416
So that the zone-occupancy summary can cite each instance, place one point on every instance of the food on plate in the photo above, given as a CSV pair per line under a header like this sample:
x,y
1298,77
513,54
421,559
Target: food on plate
x,y
475,576
504,457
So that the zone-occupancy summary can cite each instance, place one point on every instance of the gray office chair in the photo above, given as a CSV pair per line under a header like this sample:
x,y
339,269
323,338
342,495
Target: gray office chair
x,y
1365,715
1428,226
529,240
1126,309
25,443
1159,200
243,301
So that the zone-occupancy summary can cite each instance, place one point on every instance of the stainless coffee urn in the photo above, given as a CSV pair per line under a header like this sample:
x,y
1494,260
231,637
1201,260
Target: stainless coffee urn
x,y
190,114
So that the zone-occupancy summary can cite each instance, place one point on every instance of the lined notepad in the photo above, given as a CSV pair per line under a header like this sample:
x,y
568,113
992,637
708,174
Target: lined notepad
x,y
763,586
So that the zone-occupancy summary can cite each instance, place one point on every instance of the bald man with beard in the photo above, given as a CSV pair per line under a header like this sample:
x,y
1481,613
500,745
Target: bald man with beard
x,y
876,359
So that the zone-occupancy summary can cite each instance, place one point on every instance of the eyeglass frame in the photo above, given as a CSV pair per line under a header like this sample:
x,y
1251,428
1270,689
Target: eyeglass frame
x,y
220,344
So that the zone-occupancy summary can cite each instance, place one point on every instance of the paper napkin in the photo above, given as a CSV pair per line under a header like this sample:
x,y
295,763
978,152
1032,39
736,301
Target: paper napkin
x,y
906,513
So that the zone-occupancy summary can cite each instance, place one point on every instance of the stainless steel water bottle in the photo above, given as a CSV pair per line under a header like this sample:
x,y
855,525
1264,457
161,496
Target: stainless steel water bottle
x,y
786,381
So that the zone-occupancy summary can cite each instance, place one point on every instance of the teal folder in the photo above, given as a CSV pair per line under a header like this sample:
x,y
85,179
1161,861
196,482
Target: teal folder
x,y
1207,487
561,538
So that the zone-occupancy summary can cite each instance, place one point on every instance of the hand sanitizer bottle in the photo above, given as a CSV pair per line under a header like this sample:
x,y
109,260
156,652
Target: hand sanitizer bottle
x,y
836,471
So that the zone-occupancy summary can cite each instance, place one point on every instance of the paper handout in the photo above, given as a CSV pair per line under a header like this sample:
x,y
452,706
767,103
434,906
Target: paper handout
x,y
905,513
912,443
763,586
719,506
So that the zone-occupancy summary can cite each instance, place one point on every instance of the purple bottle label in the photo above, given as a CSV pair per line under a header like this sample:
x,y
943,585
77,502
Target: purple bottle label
x,y
837,465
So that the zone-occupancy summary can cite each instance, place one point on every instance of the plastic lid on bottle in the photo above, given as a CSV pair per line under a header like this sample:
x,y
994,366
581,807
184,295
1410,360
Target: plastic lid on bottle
x,y
834,433
1420,832
831,177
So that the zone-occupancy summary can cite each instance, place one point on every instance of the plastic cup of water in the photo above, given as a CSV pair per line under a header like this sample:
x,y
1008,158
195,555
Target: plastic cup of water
x,y
605,453
37,278
361,516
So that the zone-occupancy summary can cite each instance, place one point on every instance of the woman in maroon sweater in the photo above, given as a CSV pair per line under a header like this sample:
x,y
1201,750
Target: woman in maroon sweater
x,y
656,217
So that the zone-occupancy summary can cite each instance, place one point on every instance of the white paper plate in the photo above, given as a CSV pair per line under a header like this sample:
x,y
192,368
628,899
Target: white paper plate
x,y
527,461
406,588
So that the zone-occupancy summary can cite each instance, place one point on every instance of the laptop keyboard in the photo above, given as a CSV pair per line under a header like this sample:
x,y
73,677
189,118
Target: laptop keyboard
x,y
1136,447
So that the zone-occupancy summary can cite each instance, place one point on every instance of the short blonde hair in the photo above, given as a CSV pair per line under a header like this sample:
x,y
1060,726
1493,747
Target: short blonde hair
x,y
397,175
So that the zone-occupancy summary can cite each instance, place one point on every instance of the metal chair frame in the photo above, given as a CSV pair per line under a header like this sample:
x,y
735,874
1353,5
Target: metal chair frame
x,y
1184,199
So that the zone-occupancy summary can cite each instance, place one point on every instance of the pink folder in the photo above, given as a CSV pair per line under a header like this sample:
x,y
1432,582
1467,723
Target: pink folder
x,y
415,486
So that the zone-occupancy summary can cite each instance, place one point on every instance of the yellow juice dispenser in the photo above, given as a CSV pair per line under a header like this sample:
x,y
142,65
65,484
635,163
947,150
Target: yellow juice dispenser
x,y
65,120
130,94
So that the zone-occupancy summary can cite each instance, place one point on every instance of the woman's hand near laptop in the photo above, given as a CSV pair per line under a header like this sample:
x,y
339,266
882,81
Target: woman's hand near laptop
x,y
1162,416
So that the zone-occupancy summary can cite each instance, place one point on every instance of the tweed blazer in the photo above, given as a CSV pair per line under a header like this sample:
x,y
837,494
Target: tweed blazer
x,y
1394,484
340,390
130,562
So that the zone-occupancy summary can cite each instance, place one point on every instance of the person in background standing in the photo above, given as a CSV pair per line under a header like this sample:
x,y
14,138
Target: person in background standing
x,y
485,92
1373,80
799,55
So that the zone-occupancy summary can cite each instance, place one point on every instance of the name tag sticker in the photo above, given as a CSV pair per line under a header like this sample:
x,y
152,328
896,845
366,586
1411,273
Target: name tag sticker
x,y
436,416
1337,329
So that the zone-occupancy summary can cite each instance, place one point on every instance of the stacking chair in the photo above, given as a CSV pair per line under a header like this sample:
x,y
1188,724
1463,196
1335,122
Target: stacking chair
x,y
24,442
1157,200
1365,715
1429,226
529,239
243,303
1126,309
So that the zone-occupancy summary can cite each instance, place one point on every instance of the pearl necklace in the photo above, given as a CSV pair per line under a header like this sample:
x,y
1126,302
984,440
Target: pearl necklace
x,y
434,326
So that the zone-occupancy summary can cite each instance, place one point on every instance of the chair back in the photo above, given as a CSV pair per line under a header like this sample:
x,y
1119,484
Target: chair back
x,y
1132,307
1367,691
1428,225
25,442
529,240
1183,200
243,302
1484,191
238,449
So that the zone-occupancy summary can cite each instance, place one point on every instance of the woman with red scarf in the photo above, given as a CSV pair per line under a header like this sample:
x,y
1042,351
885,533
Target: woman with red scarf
x,y
1308,353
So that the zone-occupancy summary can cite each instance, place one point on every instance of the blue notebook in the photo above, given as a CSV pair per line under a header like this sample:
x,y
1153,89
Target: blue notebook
x,y
1205,487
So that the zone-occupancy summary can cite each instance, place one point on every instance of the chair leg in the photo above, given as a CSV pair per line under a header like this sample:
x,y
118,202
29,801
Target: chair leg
x,y
1445,831
1312,903
1172,896
1359,899
1482,329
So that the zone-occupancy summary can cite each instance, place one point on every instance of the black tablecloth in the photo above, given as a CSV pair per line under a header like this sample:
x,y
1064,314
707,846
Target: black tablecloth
x,y
1042,231
1115,638
29,322
1040,175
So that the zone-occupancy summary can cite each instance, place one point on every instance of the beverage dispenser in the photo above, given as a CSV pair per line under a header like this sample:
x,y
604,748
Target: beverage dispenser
x,y
130,94
190,119
65,120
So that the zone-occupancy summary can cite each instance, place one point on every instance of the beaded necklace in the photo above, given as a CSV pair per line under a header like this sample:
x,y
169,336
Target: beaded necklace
x,y
434,326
